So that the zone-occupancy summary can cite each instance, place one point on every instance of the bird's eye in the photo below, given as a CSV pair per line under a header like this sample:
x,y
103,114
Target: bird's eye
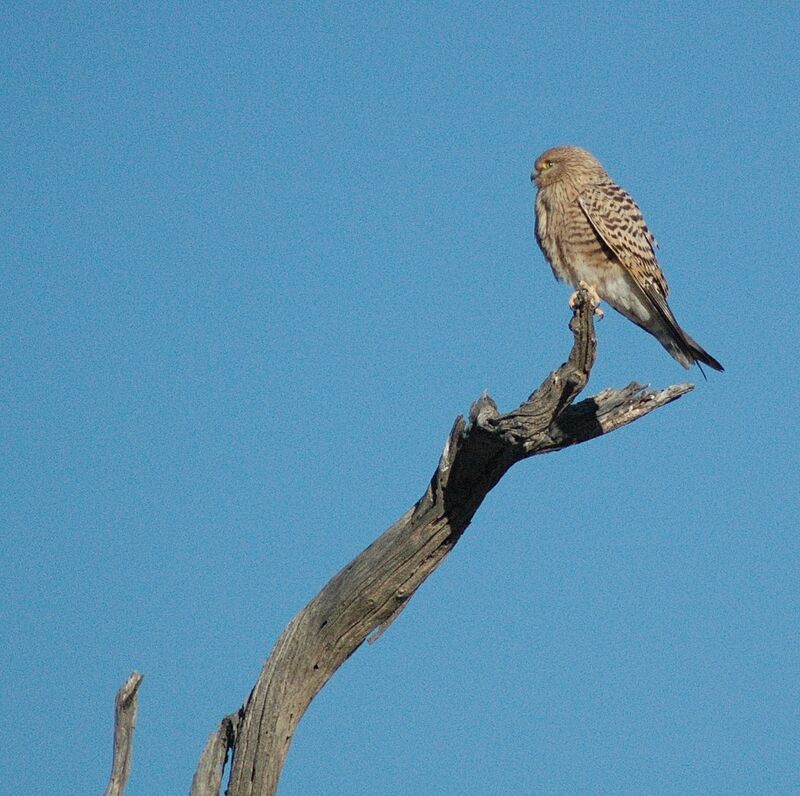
x,y
545,164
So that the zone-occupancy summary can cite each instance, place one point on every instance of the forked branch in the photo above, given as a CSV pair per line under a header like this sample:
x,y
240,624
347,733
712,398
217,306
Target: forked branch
x,y
369,593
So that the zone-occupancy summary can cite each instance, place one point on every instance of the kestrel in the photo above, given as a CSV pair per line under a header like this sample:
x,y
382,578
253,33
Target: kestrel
x,y
594,236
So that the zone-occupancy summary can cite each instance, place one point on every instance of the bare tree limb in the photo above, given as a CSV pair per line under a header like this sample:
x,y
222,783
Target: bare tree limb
x,y
126,705
208,777
369,593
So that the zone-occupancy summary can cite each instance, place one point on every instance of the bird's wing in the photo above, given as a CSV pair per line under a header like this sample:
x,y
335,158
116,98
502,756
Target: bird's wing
x,y
618,220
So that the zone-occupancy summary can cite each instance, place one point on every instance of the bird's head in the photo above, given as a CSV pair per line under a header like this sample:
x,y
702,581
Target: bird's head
x,y
566,163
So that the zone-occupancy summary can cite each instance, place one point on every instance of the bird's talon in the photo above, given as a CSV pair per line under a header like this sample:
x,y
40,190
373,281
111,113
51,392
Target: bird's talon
x,y
593,298
592,291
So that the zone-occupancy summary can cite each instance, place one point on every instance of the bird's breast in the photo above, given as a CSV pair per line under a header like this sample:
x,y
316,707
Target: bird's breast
x,y
570,243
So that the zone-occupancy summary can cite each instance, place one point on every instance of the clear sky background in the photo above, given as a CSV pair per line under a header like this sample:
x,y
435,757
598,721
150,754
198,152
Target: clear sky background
x,y
256,258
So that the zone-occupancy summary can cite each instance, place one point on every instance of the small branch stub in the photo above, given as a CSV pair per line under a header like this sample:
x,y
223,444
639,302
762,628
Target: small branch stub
x,y
208,777
126,705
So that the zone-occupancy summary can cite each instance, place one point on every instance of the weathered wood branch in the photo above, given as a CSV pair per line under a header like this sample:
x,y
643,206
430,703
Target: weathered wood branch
x,y
124,724
369,593
208,777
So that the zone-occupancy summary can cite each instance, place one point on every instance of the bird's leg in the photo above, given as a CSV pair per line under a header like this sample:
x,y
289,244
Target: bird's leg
x,y
593,297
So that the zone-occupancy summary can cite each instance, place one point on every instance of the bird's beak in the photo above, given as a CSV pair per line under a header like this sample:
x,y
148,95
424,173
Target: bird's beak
x,y
533,176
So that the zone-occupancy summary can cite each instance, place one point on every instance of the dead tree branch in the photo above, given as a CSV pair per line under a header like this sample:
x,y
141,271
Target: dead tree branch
x,y
369,593
124,725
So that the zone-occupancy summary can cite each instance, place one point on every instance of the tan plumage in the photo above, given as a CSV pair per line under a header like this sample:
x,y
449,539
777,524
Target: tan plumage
x,y
592,232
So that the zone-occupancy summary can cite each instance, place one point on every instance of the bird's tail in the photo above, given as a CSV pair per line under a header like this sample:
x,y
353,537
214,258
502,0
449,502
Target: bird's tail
x,y
699,354
653,314
682,347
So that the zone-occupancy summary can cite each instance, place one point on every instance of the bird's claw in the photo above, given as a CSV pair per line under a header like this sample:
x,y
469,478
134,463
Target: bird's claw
x,y
593,297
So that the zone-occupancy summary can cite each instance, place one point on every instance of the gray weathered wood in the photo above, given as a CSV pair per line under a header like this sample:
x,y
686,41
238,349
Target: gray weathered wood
x,y
369,593
126,705
208,777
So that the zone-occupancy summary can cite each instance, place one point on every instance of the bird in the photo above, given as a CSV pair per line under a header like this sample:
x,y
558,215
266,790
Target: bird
x,y
594,237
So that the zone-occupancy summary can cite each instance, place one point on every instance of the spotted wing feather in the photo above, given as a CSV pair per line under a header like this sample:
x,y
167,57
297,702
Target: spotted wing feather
x,y
618,220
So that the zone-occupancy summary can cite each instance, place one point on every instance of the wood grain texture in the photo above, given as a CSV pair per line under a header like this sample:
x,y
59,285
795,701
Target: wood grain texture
x,y
362,600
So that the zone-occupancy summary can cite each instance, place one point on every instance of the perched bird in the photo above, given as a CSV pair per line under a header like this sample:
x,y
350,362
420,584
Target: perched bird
x,y
594,236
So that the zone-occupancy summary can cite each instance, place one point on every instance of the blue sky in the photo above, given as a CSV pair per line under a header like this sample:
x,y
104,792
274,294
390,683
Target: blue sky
x,y
254,262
